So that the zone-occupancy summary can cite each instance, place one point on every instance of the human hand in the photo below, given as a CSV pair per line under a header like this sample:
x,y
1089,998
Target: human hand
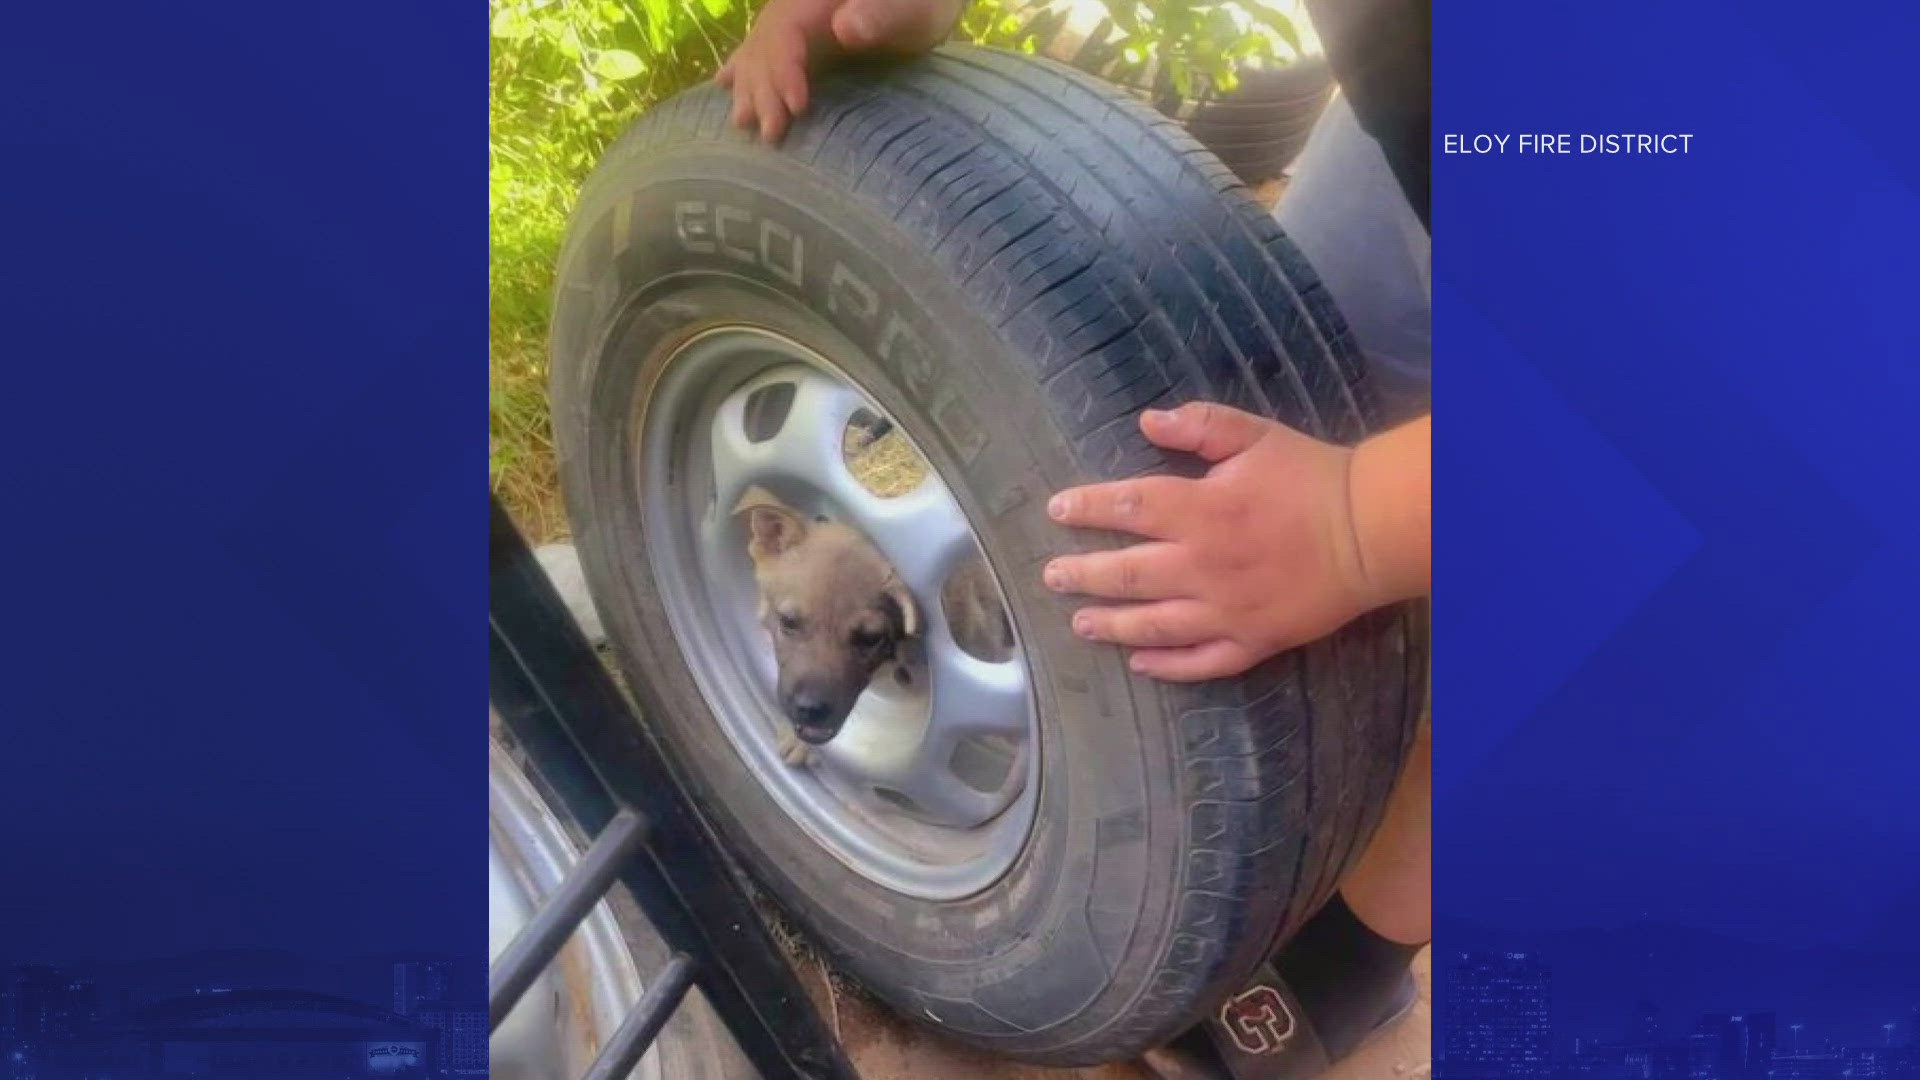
x,y
1264,553
768,72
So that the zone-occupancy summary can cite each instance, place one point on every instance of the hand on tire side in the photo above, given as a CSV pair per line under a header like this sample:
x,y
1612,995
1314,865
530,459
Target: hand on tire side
x,y
767,74
1284,540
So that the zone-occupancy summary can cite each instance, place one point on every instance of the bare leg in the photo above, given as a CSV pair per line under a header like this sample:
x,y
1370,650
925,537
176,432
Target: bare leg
x,y
1391,888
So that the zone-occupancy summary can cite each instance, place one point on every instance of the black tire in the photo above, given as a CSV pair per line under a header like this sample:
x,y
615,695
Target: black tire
x,y
1256,129
1044,258
1262,125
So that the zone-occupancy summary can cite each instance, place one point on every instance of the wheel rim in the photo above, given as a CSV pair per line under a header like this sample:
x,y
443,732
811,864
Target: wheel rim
x,y
929,787
559,1024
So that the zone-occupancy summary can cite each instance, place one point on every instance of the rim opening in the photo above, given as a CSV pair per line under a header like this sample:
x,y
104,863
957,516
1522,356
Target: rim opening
x,y
928,788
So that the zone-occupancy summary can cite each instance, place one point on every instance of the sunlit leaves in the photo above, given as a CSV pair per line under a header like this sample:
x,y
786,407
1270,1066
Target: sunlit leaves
x,y
1196,48
512,24
617,64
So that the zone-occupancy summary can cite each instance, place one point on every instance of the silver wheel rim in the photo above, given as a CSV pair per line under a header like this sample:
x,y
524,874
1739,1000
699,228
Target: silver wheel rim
x,y
901,795
557,1027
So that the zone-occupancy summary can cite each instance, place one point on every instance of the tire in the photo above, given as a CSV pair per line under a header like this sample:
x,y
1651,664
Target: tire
x,y
1256,129
1262,125
561,1022
1012,259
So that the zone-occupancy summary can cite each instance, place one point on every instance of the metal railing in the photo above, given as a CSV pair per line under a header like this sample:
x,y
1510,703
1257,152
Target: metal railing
x,y
608,772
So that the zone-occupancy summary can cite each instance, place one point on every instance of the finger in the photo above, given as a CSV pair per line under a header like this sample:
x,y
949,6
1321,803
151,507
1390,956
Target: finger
x,y
1158,624
891,24
1148,506
724,76
743,99
1216,659
773,115
1210,430
1151,571
791,84
864,24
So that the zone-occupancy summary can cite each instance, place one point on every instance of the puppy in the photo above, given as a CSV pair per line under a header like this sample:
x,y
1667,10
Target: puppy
x,y
836,612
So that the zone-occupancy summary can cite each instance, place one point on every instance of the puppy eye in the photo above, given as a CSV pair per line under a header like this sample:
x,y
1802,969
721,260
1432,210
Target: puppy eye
x,y
866,639
789,623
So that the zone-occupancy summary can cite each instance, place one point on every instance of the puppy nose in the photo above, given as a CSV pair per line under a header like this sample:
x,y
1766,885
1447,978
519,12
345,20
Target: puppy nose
x,y
807,709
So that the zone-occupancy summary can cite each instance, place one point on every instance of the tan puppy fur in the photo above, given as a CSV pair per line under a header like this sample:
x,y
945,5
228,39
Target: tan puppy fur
x,y
834,610
839,616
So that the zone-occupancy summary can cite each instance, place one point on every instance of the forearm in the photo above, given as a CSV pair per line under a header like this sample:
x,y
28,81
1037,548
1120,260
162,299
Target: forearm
x,y
1390,485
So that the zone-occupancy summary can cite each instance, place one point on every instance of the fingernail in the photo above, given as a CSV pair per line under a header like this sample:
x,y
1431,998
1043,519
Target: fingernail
x,y
1157,416
1054,576
860,27
1136,664
1083,625
1057,506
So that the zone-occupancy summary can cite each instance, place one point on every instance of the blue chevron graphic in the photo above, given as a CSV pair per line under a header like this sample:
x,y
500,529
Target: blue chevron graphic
x,y
1678,544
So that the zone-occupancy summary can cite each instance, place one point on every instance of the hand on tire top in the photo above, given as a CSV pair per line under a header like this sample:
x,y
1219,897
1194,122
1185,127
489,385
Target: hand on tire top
x,y
768,73
1283,541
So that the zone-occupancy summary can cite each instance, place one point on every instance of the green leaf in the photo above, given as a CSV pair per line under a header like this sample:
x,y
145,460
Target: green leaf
x,y
1222,26
1274,20
617,64
512,24
717,8
1182,76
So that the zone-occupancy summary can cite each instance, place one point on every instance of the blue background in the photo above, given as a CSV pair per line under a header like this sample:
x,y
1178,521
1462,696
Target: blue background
x,y
242,306
1676,544
243,320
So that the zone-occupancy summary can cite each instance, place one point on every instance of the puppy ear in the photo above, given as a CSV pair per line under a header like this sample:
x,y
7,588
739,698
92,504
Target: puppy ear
x,y
772,530
909,607
772,527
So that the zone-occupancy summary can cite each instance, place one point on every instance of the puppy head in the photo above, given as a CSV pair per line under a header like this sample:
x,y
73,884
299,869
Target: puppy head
x,y
833,607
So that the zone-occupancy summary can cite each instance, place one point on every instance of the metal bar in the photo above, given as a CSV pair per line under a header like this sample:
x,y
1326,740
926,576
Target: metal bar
x,y
643,1024
558,703
562,913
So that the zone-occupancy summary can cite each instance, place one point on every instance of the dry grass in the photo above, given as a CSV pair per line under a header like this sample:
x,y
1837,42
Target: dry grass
x,y
887,467
525,474
1267,193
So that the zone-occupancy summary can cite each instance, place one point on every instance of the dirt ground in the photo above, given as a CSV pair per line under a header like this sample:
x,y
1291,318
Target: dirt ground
x,y
884,1047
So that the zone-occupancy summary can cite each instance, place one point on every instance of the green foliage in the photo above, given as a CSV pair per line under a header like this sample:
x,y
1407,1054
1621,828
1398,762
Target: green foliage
x,y
567,77
1192,46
